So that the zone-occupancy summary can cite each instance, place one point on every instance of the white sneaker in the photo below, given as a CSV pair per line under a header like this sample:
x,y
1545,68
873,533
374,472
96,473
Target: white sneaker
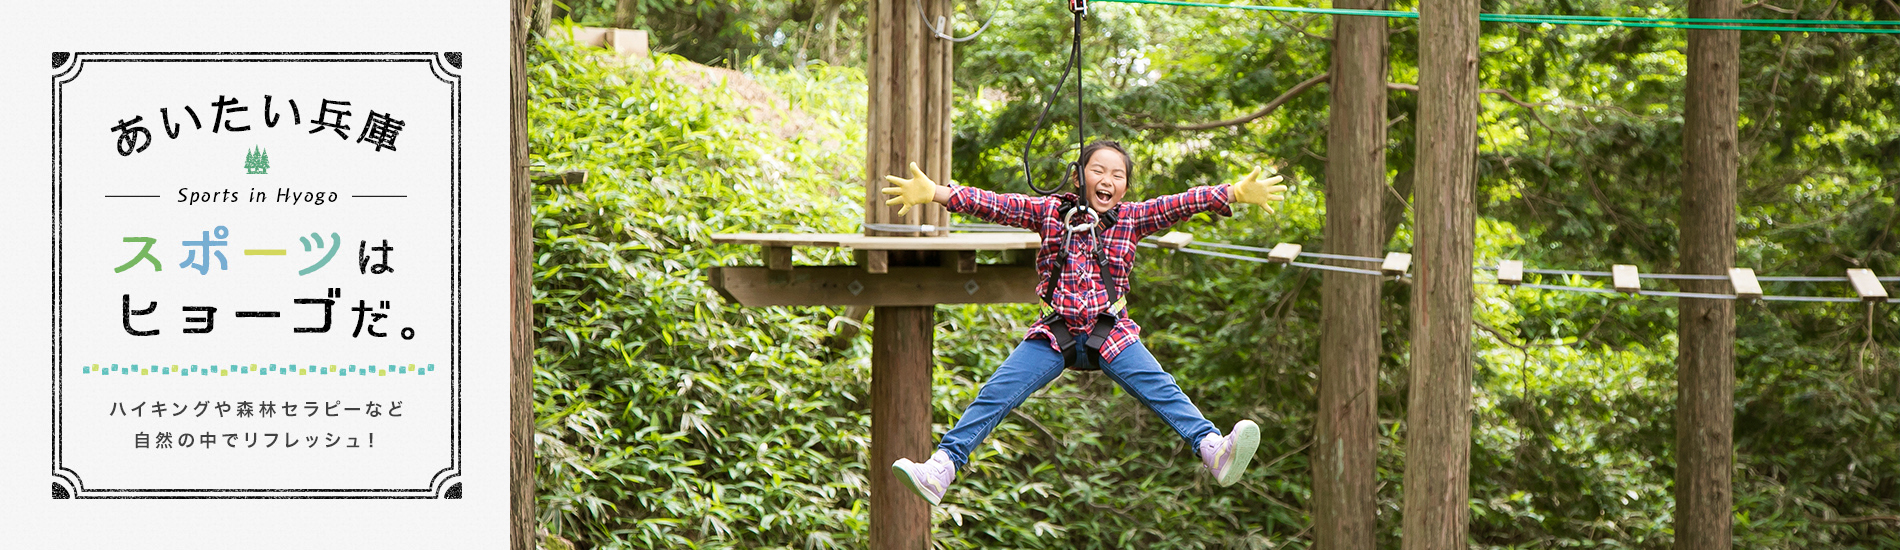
x,y
931,478
1227,456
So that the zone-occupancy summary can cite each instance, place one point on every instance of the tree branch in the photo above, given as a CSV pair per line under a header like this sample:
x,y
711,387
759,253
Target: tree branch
x,y
1053,440
1264,111
1532,107
1506,339
1861,519
1300,29
1764,4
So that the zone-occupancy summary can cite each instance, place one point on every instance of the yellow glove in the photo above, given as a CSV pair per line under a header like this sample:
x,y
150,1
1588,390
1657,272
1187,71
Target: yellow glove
x,y
910,192
1258,192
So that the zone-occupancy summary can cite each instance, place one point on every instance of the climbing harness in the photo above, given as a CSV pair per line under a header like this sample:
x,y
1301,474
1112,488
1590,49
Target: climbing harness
x,y
1087,356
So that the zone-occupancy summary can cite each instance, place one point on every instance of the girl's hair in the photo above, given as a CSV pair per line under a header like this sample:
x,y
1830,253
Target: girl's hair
x,y
1088,152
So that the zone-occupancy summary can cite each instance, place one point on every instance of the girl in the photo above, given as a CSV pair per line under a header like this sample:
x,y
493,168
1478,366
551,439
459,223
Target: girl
x,y
1088,250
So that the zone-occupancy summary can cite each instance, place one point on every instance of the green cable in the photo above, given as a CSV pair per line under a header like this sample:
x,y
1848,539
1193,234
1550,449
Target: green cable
x,y
1506,18
1701,21
1777,25
1328,11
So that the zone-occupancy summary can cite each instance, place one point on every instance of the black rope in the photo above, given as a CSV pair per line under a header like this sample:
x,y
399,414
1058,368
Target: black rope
x,y
1074,63
1079,8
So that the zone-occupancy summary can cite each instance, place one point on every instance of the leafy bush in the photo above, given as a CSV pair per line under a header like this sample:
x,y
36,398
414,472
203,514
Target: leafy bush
x,y
665,417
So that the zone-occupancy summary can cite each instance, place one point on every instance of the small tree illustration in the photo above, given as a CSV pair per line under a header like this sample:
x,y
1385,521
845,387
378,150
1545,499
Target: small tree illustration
x,y
257,161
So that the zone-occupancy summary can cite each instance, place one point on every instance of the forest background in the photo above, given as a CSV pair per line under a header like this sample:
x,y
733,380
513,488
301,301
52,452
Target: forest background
x,y
667,418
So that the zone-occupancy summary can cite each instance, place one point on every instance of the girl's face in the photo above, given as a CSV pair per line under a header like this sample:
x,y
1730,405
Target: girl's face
x,y
1105,179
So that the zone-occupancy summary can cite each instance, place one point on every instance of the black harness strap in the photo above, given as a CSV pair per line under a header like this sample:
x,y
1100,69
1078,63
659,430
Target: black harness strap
x,y
1088,355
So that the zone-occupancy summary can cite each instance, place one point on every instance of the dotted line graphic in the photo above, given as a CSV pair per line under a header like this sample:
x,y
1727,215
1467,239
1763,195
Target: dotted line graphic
x,y
254,368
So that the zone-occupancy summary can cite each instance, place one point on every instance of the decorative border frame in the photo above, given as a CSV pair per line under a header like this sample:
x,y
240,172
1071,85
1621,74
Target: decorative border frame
x,y
446,67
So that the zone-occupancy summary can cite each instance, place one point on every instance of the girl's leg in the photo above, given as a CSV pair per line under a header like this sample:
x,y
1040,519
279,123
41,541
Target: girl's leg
x,y
1030,367
1140,374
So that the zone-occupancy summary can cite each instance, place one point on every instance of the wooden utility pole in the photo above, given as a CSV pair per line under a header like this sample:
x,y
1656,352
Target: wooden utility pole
x,y
902,277
1705,375
520,290
908,118
907,121
1438,419
1346,445
901,354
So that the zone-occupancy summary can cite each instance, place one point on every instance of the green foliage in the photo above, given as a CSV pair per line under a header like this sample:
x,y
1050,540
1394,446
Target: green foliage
x,y
668,418
726,32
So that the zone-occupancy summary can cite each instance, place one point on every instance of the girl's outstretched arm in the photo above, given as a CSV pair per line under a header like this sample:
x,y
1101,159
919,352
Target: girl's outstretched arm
x,y
1011,209
1159,213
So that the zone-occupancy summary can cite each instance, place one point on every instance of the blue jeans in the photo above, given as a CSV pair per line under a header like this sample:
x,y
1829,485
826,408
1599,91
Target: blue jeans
x,y
1034,364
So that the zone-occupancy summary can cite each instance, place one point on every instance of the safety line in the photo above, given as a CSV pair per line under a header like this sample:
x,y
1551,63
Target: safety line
x,y
1337,268
938,28
1672,294
1565,272
1568,288
1771,25
1222,255
1231,246
955,227
1265,261
1269,250
1677,277
1145,243
1343,257
1808,299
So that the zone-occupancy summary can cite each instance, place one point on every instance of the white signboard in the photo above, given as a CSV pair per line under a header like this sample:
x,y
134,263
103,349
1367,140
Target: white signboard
x,y
273,254
255,275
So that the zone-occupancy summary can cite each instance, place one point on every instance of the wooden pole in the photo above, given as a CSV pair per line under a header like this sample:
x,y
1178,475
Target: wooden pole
x,y
520,292
909,74
901,342
1705,375
908,121
1346,442
1438,418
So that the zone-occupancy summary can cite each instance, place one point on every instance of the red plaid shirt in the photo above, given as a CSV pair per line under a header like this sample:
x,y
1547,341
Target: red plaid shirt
x,y
1080,294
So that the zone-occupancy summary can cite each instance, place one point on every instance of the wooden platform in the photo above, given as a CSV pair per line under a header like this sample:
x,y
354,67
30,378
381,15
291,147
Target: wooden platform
x,y
955,241
873,282
849,285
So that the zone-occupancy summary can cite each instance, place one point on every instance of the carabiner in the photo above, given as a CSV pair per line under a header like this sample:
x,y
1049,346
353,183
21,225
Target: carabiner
x,y
1069,220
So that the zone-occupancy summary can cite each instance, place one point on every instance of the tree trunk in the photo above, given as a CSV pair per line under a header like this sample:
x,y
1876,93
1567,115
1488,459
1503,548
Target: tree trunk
x,y
901,342
831,32
1705,375
520,291
1346,446
624,14
1395,205
1438,419
543,17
